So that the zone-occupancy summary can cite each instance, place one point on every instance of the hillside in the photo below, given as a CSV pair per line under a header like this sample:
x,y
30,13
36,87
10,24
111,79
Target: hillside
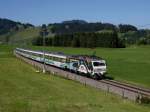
x,y
7,26
24,35
24,90
12,32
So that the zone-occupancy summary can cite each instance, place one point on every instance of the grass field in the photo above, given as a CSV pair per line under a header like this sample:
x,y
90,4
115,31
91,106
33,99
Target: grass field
x,y
130,64
24,90
25,34
21,36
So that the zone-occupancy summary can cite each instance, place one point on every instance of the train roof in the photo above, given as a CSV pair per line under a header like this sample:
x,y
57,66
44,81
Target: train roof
x,y
62,55
86,57
55,54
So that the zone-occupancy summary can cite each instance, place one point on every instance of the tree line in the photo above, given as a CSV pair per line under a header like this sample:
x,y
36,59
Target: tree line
x,y
84,39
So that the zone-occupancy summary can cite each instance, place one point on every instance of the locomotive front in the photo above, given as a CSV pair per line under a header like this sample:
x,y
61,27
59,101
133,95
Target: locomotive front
x,y
98,68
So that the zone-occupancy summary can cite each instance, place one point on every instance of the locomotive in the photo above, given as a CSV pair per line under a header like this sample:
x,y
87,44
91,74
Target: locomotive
x,y
91,66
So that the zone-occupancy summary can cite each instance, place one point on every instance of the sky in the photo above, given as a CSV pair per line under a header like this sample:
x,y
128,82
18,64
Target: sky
x,y
37,12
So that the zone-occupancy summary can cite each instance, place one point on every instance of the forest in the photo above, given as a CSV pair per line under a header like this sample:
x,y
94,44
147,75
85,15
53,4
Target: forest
x,y
78,33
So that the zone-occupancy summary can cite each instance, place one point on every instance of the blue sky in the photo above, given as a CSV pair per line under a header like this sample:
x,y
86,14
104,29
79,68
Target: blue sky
x,y
37,12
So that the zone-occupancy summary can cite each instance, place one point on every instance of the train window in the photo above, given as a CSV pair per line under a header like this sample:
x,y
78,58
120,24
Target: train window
x,y
59,59
30,53
51,58
81,62
39,55
98,64
63,60
33,54
54,58
67,60
47,57
75,64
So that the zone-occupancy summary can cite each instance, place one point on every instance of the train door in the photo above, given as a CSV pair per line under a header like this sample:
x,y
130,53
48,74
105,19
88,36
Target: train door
x,y
74,65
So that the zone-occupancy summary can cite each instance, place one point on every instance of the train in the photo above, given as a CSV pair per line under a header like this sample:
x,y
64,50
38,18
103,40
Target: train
x,y
88,65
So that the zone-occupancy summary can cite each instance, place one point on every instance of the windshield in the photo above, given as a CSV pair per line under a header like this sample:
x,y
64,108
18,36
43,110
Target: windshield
x,y
98,64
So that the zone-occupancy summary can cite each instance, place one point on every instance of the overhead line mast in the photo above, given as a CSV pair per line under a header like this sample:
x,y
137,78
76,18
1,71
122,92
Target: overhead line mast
x,y
44,32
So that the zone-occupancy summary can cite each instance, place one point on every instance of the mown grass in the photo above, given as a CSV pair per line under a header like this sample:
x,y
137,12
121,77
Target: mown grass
x,y
24,90
130,64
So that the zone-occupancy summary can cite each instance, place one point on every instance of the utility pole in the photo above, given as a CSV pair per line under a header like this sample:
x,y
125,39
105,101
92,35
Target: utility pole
x,y
44,32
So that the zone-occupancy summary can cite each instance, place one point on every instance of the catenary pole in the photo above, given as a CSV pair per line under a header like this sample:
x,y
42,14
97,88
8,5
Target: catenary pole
x,y
44,34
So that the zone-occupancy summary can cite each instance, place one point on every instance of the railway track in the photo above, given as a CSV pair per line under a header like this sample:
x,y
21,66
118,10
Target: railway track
x,y
127,86
125,90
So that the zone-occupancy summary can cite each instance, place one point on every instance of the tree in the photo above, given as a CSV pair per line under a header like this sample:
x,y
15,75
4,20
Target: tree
x,y
90,40
126,28
75,41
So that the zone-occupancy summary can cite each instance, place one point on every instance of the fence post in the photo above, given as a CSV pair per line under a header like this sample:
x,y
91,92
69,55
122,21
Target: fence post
x,y
122,93
85,82
75,77
108,88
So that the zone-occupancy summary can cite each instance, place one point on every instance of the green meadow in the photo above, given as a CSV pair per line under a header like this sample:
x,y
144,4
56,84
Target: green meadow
x,y
22,89
131,64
